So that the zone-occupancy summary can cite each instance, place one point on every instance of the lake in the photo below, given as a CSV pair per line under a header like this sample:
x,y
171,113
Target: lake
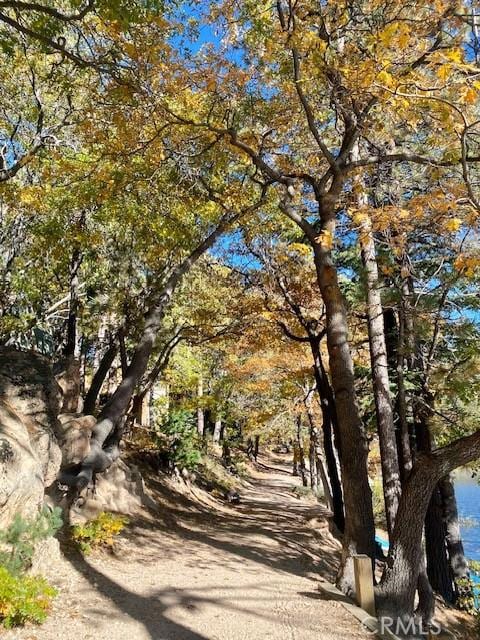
x,y
467,491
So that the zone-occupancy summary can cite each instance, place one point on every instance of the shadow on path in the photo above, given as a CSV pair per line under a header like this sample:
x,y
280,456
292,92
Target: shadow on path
x,y
270,527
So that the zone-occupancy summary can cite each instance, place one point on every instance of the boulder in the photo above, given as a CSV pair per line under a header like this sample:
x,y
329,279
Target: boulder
x,y
28,387
31,430
73,433
119,489
21,470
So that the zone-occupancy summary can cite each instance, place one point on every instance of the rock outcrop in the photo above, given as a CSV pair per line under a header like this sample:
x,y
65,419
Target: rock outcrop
x,y
119,489
30,457
30,390
36,440
21,471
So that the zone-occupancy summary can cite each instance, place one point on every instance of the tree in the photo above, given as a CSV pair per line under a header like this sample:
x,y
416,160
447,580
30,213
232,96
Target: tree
x,y
337,67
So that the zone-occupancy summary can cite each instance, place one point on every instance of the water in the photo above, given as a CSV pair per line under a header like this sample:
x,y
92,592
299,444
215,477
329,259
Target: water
x,y
467,490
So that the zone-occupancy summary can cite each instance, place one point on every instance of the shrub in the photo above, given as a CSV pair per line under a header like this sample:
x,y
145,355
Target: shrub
x,y
466,597
474,566
19,539
23,598
99,532
184,444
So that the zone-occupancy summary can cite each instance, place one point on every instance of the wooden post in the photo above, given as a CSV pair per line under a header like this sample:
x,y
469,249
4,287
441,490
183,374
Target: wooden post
x,y
362,566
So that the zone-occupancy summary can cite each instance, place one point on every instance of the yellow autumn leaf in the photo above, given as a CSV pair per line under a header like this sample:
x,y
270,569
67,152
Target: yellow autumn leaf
x,y
455,55
300,248
470,96
467,264
385,78
453,224
358,217
444,71
325,239
28,197
388,34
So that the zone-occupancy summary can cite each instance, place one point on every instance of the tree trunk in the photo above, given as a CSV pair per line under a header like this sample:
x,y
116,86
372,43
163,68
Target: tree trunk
x,y
330,426
318,465
456,555
426,598
122,351
380,377
256,446
396,592
438,570
226,456
71,345
435,547
359,534
217,429
98,379
312,467
200,410
403,419
301,453
396,353
404,402
158,368
71,364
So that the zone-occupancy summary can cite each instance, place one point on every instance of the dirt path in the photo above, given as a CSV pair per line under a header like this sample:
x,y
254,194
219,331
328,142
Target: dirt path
x,y
243,573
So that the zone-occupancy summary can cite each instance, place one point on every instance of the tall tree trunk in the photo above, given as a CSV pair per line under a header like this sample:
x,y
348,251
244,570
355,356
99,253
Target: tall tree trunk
x,y
456,555
403,418
217,429
435,546
226,456
256,446
98,379
380,377
71,344
404,401
318,465
200,410
359,534
301,452
396,353
329,426
312,467
438,570
70,379
157,369
101,339
122,351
